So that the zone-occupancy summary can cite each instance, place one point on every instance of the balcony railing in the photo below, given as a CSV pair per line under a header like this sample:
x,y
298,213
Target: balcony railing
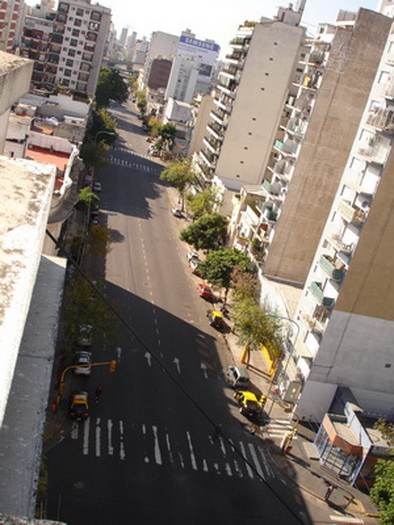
x,y
382,119
374,152
338,243
351,214
331,269
317,291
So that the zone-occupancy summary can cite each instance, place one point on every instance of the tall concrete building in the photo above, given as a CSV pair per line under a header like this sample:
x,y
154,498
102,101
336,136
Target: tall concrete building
x,y
250,103
162,45
316,141
346,314
9,14
68,45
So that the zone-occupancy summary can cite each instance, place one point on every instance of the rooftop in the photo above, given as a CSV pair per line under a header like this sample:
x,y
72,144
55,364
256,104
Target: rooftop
x,y
58,158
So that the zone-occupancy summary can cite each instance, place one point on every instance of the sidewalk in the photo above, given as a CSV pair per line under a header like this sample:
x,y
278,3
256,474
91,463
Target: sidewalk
x,y
301,465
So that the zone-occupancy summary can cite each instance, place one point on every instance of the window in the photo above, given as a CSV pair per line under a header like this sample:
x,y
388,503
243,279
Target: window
x,y
63,8
85,67
65,82
79,12
67,72
73,42
95,16
78,22
71,53
69,62
75,32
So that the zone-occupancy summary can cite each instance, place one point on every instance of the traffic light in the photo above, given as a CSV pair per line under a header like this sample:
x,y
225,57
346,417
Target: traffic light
x,y
263,400
112,366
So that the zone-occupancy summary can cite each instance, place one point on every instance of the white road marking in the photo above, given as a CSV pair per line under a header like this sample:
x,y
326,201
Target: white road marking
x,y
237,469
86,426
148,358
176,362
110,447
192,456
122,453
169,448
255,460
144,429
228,469
343,519
249,470
157,447
223,448
74,430
266,464
98,435
118,353
204,465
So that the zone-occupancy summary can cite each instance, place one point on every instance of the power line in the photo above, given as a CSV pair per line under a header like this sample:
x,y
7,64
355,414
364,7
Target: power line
x,y
138,338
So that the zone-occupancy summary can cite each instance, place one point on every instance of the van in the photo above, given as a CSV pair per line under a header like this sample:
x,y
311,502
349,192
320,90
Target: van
x,y
237,377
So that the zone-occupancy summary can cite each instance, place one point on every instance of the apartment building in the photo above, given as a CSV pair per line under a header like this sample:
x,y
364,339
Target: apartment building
x,y
346,313
250,100
67,45
9,15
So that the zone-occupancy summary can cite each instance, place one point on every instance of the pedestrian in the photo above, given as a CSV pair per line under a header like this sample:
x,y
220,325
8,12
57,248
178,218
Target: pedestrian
x,y
99,391
328,493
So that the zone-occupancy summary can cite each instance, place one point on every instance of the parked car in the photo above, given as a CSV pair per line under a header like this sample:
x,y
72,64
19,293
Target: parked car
x,y
250,405
237,377
79,405
177,213
205,292
192,256
83,359
97,186
194,266
85,335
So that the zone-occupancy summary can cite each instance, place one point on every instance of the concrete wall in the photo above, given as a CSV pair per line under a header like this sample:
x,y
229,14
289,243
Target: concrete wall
x,y
199,129
259,102
340,103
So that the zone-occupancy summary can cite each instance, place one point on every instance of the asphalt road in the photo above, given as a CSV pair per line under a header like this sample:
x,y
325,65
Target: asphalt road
x,y
149,452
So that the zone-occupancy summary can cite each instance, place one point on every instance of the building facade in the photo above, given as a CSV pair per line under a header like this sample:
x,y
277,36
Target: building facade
x,y
9,15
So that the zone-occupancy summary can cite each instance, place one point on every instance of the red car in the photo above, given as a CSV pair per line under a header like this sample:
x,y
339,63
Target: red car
x,y
205,292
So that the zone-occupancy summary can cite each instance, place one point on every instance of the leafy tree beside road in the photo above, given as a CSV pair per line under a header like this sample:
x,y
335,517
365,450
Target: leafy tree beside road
x,y
110,86
218,266
202,203
382,491
206,233
181,175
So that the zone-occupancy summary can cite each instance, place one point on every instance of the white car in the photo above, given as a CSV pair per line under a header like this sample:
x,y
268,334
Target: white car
x,y
97,186
192,256
83,361
177,213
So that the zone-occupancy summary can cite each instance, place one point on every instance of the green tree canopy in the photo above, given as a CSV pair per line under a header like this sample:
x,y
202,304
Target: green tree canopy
x,y
218,265
87,197
255,327
167,133
202,203
181,175
206,233
110,86
382,491
103,122
93,155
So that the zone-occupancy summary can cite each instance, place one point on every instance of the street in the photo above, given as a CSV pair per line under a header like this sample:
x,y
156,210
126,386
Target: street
x,y
149,451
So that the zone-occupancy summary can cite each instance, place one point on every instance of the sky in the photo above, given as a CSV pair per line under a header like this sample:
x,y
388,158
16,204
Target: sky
x,y
216,19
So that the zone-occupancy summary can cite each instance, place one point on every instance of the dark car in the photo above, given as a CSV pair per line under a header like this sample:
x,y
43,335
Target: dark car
x,y
79,405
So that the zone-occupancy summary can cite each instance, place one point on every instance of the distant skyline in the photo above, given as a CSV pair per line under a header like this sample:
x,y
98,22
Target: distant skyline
x,y
218,19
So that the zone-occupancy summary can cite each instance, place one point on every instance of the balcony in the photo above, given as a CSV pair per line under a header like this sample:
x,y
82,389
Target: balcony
x,y
208,158
317,291
352,214
338,244
382,119
215,130
375,152
329,266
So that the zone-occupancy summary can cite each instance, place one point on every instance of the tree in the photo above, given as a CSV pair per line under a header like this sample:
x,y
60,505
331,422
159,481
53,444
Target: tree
x,y
99,241
167,133
181,175
206,233
382,491
94,155
219,265
202,203
255,327
141,105
244,284
102,121
87,197
110,86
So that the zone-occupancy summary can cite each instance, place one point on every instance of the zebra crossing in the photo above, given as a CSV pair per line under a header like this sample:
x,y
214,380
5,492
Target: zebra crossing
x,y
277,428
107,438
125,163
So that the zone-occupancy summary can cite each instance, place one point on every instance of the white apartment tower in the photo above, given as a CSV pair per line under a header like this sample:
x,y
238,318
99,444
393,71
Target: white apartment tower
x,y
250,100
